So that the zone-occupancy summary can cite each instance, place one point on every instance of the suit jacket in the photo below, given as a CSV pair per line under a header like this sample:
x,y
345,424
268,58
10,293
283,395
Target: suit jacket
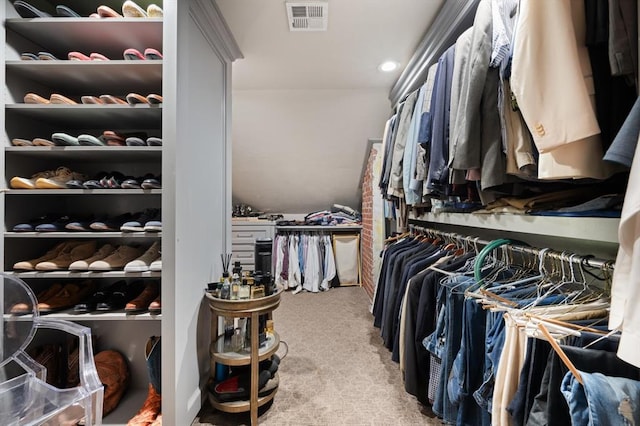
x,y
466,146
551,74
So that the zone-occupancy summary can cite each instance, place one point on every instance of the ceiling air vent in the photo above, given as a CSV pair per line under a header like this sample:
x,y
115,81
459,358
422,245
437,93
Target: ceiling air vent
x,y
307,16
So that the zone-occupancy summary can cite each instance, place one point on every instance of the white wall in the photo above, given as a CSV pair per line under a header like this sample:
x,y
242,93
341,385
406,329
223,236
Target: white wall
x,y
298,151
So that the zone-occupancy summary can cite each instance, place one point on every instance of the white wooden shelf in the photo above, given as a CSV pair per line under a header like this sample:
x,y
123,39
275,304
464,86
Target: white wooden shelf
x,y
94,234
55,192
132,154
69,274
582,228
80,77
90,116
104,316
63,35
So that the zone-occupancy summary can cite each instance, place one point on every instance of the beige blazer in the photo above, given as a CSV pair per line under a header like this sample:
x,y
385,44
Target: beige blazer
x,y
551,73
553,84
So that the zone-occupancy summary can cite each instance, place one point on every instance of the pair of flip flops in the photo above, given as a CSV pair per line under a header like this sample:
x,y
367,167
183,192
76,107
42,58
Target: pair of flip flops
x,y
40,56
129,10
150,53
79,56
27,10
33,98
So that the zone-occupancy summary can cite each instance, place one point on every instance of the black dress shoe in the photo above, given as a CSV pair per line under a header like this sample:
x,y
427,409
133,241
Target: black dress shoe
x,y
120,297
98,297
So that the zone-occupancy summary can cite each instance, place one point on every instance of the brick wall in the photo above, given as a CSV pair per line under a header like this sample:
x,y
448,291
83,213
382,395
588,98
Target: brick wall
x,y
368,187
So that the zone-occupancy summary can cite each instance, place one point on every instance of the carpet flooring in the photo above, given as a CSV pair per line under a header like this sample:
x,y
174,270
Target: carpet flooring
x,y
337,371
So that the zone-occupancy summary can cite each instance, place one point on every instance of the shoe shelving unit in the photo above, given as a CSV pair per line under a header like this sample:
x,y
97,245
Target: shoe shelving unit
x,y
252,308
194,161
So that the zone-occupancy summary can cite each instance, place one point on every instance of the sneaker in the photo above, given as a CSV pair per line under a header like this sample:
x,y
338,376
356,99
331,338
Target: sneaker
x,y
67,256
111,223
138,225
55,225
142,263
152,183
116,260
83,264
59,180
31,224
151,53
156,265
18,182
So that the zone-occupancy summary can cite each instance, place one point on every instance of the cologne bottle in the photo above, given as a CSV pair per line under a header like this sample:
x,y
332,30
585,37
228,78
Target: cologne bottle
x,y
225,292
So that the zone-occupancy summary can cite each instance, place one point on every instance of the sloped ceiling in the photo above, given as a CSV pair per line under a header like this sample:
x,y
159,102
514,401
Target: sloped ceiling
x,y
305,103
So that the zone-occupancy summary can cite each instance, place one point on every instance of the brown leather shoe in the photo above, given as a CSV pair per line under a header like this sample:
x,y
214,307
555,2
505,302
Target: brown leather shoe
x,y
142,302
149,411
24,308
68,255
155,307
70,294
30,265
114,374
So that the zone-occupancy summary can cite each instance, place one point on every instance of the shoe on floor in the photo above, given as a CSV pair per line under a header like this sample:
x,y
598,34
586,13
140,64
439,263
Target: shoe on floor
x,y
141,264
149,411
83,264
114,374
67,256
131,10
116,260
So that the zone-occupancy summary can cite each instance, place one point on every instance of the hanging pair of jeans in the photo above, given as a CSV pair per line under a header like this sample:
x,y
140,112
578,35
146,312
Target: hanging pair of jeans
x,y
602,400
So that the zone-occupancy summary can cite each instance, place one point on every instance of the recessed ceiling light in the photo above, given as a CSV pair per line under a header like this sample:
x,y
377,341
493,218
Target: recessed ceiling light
x,y
388,66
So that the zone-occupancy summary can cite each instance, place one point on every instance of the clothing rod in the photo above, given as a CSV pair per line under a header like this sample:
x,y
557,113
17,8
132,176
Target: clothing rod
x,y
451,236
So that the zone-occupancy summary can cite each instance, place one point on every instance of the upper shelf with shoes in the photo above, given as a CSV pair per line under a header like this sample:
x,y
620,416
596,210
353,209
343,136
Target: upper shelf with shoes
x,y
59,36
107,9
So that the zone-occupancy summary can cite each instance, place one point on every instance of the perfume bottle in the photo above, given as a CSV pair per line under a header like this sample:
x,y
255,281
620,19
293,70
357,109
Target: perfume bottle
x,y
245,290
225,292
235,286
